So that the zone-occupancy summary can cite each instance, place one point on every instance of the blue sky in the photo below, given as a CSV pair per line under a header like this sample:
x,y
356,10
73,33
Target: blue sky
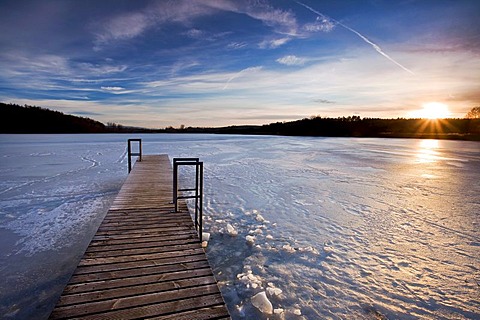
x,y
225,62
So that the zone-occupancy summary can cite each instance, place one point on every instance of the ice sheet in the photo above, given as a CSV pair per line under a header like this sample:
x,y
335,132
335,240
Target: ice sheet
x,y
327,227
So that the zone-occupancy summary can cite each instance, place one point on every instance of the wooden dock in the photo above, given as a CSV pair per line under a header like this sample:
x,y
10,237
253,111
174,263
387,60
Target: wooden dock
x,y
145,261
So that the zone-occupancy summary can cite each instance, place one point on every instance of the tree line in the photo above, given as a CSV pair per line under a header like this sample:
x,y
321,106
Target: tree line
x,y
354,126
31,119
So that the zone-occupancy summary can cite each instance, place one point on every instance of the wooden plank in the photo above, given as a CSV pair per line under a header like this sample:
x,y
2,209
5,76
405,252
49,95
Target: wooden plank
x,y
145,286
200,268
139,263
145,260
188,263
116,243
143,303
216,312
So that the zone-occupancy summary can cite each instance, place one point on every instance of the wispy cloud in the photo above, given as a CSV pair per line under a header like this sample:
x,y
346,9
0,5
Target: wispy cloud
x,y
203,35
273,44
107,68
195,33
182,65
131,25
321,24
86,113
291,60
112,88
125,26
236,45
134,24
283,21
117,90
374,45
323,101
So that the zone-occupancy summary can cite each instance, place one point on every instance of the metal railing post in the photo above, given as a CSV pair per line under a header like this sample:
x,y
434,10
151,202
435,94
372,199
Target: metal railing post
x,y
175,183
196,196
129,156
130,153
198,190
200,200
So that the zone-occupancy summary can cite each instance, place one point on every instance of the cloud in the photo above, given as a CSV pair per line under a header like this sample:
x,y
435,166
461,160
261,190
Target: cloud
x,y
118,90
101,69
181,65
321,24
236,45
273,44
125,26
195,33
134,24
87,113
291,60
282,21
336,87
112,88
324,101
202,35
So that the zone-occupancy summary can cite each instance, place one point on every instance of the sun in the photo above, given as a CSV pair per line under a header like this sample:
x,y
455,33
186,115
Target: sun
x,y
432,110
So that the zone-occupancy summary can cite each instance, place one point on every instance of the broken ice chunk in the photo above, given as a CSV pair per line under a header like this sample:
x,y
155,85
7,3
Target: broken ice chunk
x,y
205,236
274,291
288,248
261,302
260,218
231,230
297,312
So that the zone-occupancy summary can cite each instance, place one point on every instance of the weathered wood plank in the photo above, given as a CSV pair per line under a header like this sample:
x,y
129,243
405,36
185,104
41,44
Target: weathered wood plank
x,y
188,263
198,269
139,263
141,235
135,287
215,312
125,303
145,260
117,244
139,251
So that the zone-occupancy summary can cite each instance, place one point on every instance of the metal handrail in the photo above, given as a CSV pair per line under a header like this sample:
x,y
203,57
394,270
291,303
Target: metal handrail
x,y
197,191
133,154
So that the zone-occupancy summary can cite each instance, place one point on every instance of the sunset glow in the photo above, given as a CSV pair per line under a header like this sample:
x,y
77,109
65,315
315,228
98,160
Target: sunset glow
x,y
432,110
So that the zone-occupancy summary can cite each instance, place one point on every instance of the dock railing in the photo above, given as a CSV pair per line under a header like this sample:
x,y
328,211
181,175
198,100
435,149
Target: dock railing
x,y
195,193
134,154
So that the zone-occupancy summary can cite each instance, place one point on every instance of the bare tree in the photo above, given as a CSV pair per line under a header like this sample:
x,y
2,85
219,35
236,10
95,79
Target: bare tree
x,y
474,113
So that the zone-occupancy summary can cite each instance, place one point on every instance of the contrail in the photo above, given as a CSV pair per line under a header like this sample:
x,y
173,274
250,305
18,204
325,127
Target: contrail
x,y
238,74
375,46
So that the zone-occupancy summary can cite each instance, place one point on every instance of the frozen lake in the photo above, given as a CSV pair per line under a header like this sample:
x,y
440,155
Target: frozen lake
x,y
327,227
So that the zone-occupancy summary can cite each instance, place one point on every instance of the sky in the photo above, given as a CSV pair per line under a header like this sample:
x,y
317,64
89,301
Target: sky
x,y
231,62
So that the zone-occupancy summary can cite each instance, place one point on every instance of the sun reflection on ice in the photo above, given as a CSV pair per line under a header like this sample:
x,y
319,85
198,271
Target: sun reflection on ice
x,y
427,151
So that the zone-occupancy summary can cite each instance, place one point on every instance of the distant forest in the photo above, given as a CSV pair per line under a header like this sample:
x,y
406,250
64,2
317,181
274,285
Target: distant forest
x,y
354,126
28,119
